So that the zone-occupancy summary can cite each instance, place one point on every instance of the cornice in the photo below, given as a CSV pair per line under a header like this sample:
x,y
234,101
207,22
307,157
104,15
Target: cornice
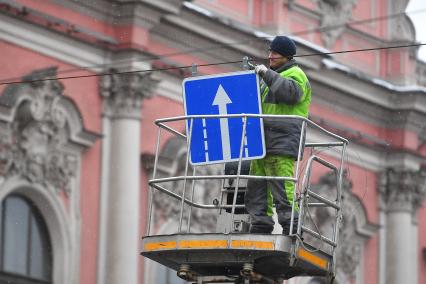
x,y
144,12
50,43
368,101
379,112
199,28
374,158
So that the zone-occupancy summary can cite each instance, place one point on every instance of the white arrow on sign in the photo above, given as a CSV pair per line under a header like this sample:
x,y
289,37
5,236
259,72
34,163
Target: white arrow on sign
x,y
221,100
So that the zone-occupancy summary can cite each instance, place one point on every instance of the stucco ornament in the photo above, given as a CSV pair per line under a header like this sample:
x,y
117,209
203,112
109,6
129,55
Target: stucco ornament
x,y
201,220
33,144
334,15
402,190
349,250
124,92
400,28
171,163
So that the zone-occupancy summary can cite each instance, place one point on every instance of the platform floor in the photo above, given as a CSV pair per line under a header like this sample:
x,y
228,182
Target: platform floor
x,y
225,254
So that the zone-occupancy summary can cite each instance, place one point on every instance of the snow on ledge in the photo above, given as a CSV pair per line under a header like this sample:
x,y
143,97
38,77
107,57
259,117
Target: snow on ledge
x,y
198,9
330,64
251,30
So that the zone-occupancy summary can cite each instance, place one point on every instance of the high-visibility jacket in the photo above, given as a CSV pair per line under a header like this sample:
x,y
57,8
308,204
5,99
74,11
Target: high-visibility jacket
x,y
285,91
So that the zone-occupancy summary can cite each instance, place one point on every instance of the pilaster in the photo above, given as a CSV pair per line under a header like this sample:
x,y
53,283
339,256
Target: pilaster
x,y
402,192
123,95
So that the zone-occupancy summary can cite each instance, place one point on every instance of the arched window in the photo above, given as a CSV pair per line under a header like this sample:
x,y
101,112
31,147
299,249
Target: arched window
x,y
25,247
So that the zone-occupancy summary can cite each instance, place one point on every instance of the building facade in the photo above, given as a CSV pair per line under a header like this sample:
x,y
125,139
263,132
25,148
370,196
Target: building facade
x,y
82,83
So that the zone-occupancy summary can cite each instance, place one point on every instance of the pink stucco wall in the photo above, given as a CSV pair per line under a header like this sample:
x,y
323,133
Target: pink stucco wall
x,y
84,93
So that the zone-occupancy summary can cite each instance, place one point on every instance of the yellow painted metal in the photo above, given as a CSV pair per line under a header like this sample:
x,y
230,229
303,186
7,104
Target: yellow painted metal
x,y
160,245
203,244
247,244
312,258
210,244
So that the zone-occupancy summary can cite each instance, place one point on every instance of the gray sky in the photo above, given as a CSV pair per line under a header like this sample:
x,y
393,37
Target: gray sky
x,y
419,20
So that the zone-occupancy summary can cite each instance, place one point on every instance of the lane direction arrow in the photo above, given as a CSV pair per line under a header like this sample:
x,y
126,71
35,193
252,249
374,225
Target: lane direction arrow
x,y
219,140
221,100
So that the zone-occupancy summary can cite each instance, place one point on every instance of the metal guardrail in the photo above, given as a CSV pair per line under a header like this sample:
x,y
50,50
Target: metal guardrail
x,y
336,141
162,124
305,193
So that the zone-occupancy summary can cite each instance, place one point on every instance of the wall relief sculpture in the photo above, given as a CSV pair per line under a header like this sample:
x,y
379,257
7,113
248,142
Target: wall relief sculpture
x,y
34,141
171,163
334,15
402,190
124,92
354,228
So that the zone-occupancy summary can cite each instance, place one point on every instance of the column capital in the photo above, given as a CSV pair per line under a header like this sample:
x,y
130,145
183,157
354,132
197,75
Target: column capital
x,y
123,93
402,190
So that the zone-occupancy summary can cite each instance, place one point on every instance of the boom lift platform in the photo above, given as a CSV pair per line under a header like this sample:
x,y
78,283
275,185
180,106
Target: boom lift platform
x,y
229,254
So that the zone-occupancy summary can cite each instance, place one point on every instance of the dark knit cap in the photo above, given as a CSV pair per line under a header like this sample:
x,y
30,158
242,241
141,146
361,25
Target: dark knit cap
x,y
283,45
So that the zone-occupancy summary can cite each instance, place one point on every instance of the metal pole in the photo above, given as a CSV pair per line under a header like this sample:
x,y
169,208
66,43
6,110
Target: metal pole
x,y
246,65
240,158
188,229
151,191
222,190
306,180
194,70
339,211
191,121
299,154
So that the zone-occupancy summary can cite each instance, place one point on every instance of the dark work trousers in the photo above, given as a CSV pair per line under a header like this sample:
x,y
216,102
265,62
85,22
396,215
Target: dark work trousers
x,y
261,194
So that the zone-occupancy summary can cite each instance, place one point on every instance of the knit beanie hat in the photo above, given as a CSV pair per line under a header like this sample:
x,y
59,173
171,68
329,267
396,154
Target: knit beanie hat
x,y
283,45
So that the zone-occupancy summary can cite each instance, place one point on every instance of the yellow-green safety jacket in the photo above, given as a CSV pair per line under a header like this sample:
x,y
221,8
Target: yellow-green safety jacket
x,y
285,91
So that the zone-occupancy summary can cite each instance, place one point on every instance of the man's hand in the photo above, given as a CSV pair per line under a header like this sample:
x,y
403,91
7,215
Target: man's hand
x,y
260,69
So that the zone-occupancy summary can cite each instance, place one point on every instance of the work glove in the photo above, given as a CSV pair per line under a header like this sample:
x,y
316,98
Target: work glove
x,y
260,69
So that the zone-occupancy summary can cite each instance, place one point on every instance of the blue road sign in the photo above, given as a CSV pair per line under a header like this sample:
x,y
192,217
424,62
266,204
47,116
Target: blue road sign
x,y
218,140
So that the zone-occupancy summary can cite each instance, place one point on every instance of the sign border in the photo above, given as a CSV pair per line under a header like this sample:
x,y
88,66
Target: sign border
x,y
260,108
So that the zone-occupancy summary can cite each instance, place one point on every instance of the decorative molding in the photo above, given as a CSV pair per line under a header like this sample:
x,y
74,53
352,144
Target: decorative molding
x,y
48,21
171,163
123,93
348,254
41,140
334,13
354,227
35,144
64,228
400,28
402,190
52,44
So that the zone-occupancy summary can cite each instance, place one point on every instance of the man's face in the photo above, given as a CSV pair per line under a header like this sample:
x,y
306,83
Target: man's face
x,y
276,60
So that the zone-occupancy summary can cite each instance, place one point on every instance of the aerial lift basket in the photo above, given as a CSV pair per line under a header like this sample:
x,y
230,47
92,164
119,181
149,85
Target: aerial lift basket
x,y
229,254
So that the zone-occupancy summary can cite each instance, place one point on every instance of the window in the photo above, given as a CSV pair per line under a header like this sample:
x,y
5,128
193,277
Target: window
x,y
25,247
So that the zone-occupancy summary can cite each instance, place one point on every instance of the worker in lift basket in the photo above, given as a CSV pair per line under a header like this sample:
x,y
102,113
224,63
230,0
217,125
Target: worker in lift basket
x,y
285,90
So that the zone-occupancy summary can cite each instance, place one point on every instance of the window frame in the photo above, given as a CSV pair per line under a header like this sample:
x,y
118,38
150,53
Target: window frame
x,y
8,277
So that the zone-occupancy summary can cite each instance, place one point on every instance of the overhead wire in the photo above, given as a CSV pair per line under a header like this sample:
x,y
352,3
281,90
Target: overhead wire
x,y
224,45
200,65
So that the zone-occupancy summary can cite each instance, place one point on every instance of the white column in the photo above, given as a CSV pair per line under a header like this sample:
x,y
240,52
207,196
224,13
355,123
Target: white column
x,y
414,249
123,209
103,204
122,105
399,261
402,192
382,248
